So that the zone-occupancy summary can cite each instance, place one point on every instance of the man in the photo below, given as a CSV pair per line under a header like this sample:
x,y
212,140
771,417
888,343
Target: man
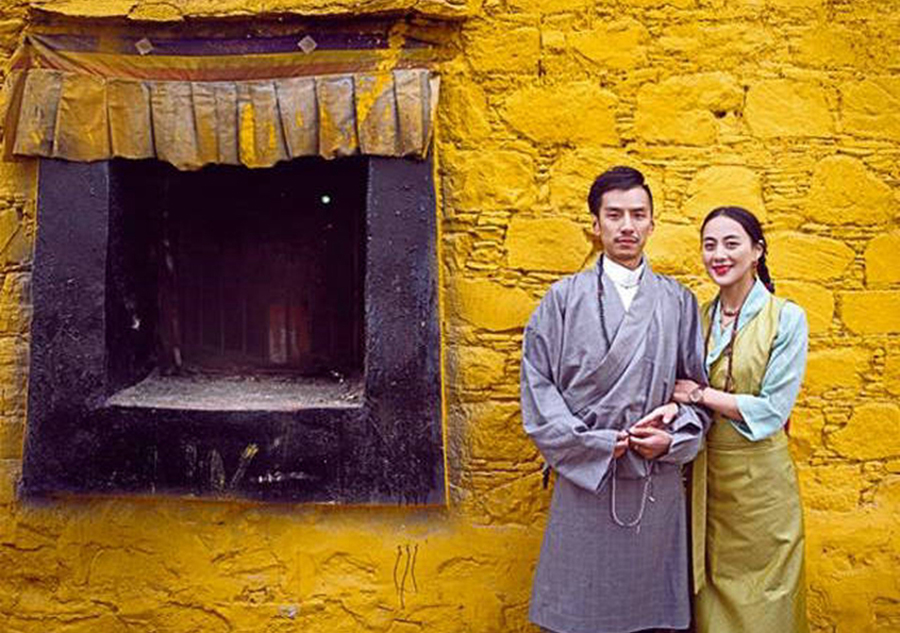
x,y
602,351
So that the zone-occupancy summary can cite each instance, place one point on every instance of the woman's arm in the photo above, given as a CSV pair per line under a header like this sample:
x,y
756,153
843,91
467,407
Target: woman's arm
x,y
759,416
719,401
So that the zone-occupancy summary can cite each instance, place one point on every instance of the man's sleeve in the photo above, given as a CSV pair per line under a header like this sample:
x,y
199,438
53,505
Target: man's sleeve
x,y
692,421
577,453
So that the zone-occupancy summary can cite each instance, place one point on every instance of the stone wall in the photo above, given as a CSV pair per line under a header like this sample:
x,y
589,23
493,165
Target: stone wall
x,y
789,107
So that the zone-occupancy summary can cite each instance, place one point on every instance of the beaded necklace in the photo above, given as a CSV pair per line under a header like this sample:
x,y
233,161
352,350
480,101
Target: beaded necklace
x,y
729,349
646,492
600,302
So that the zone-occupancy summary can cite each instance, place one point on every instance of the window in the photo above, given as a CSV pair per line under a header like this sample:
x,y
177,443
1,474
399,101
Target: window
x,y
239,287
271,333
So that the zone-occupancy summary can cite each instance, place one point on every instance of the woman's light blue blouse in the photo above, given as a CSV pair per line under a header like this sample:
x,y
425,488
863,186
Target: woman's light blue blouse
x,y
767,412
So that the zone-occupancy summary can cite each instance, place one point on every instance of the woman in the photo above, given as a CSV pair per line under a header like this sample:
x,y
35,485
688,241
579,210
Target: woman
x,y
747,520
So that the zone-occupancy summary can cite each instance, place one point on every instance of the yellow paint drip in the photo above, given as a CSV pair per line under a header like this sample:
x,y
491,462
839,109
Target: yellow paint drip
x,y
247,134
382,74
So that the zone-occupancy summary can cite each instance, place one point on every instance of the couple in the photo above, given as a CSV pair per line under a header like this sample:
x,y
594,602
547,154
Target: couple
x,y
615,395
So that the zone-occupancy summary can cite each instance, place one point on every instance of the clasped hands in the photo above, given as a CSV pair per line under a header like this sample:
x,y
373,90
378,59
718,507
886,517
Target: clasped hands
x,y
648,437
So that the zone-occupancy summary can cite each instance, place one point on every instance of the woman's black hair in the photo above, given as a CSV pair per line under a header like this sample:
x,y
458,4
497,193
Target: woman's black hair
x,y
754,230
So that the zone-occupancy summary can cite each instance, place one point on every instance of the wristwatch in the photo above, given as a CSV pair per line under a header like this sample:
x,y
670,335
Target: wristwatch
x,y
696,395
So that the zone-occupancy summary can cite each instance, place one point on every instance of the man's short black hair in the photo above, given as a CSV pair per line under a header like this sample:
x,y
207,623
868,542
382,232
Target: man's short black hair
x,y
616,178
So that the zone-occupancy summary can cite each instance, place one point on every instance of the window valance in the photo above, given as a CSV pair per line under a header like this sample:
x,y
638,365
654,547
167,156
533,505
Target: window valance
x,y
193,101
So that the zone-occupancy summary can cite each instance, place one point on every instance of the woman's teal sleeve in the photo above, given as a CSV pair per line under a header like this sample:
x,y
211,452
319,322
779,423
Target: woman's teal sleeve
x,y
766,413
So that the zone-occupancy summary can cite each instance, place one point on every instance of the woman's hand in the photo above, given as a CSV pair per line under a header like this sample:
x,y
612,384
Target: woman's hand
x,y
683,389
659,418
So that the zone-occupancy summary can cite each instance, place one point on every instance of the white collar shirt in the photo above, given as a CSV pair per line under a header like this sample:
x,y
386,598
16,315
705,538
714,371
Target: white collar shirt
x,y
624,279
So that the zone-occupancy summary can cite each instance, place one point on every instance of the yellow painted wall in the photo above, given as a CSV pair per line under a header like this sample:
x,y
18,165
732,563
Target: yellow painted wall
x,y
789,107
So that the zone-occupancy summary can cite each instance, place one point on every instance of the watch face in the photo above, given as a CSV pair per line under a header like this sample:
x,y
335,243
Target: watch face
x,y
696,395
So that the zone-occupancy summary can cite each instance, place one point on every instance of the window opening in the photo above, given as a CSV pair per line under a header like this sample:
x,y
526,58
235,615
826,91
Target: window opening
x,y
248,284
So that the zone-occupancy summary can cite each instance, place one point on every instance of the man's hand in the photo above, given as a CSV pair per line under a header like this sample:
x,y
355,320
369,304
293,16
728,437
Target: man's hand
x,y
621,444
683,389
659,418
649,442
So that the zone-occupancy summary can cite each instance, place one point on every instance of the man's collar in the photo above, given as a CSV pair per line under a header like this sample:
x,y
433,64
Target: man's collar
x,y
621,275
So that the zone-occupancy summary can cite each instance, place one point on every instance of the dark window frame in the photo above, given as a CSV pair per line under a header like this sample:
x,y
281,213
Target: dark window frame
x,y
388,449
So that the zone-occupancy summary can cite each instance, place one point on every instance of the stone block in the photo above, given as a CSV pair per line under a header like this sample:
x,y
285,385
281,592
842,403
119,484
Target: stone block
x,y
805,433
783,107
13,352
18,179
502,48
871,107
571,113
156,12
553,41
775,4
844,191
832,46
495,433
13,373
544,7
816,301
15,243
491,306
11,434
832,487
888,494
514,499
871,312
462,111
724,185
808,257
620,44
10,471
549,244
881,260
683,109
873,432
892,372
794,4
161,10
489,180
15,303
573,173
710,44
677,4
478,367
837,368
674,249
10,225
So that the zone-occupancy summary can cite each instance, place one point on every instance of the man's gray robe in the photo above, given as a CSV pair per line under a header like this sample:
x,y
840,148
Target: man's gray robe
x,y
595,576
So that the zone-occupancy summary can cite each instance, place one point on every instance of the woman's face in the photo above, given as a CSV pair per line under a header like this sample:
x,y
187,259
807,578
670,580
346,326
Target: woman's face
x,y
728,252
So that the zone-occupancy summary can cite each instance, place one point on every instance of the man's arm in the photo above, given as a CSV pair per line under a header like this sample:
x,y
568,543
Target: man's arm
x,y
691,421
576,452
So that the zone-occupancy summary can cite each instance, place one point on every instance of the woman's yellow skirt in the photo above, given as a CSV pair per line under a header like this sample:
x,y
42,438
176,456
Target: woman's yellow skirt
x,y
753,581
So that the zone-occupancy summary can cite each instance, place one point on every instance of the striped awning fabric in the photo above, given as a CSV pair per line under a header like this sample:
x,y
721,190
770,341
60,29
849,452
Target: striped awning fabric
x,y
192,101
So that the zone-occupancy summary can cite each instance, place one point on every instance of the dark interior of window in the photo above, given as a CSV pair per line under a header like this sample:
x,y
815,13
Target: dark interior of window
x,y
251,277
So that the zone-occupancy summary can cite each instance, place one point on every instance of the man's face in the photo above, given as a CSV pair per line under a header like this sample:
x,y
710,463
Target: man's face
x,y
623,224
